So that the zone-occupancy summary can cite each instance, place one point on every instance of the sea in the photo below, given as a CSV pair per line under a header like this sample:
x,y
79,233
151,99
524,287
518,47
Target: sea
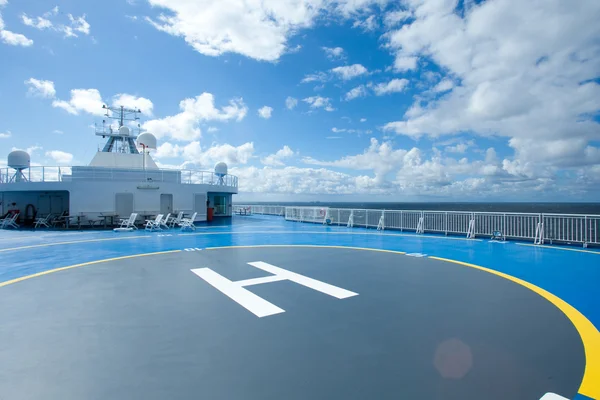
x,y
530,207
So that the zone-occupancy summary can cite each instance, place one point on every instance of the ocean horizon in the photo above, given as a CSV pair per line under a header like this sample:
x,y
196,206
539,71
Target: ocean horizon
x,y
587,208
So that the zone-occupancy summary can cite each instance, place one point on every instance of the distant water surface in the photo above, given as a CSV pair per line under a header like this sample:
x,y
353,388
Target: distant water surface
x,y
563,208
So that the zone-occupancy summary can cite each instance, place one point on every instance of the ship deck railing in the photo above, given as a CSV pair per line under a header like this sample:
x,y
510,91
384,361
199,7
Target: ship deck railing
x,y
65,174
541,228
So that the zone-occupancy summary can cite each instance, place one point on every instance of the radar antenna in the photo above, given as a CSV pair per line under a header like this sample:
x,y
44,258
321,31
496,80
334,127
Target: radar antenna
x,y
119,140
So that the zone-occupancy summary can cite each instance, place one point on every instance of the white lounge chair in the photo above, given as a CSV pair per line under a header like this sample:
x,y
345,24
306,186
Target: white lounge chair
x,y
154,224
164,222
127,223
176,221
43,221
10,221
188,222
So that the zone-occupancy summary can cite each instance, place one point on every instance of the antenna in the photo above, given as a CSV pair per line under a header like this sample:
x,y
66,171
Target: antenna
x,y
119,140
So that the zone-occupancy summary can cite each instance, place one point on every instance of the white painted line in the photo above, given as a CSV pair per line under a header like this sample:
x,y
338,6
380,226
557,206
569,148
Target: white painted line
x,y
416,254
258,281
251,302
552,396
314,284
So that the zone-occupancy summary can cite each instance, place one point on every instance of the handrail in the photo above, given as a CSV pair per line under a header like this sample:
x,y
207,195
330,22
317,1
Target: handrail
x,y
71,173
538,227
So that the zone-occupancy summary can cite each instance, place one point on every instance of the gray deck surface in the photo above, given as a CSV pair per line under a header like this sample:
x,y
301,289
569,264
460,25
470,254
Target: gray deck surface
x,y
148,328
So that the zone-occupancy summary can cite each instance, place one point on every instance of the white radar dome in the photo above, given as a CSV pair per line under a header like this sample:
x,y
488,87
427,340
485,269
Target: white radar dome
x,y
124,131
146,140
18,159
221,169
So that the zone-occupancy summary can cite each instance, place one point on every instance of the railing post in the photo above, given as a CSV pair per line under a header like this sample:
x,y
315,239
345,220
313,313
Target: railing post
x,y
401,222
446,227
585,231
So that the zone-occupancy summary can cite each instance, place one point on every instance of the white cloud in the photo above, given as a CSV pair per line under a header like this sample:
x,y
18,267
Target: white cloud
x,y
129,101
265,112
333,137
460,147
393,18
359,91
363,120
60,157
518,79
167,150
40,88
319,102
232,155
393,86
350,71
5,135
212,129
186,124
444,86
255,29
79,24
316,77
86,100
403,63
334,53
15,39
58,132
31,150
294,180
9,37
45,22
36,22
291,103
368,24
277,158
378,157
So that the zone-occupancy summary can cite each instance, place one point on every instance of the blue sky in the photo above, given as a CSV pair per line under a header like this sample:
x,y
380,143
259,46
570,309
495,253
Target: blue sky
x,y
410,100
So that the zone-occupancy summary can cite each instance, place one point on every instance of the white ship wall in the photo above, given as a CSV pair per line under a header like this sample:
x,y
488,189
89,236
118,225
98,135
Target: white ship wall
x,y
92,198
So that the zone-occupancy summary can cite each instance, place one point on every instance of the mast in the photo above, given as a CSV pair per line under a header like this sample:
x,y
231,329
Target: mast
x,y
119,140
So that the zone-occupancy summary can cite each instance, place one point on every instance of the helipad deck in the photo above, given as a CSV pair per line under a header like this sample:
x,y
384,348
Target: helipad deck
x,y
269,309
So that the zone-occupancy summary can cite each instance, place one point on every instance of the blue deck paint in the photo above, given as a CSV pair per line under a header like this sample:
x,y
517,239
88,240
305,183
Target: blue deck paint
x,y
573,276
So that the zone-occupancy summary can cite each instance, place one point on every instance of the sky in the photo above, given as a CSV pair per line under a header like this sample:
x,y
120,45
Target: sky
x,y
357,100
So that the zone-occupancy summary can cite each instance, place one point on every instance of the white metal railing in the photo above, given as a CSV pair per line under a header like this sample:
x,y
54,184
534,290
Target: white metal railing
x,y
538,227
256,209
61,174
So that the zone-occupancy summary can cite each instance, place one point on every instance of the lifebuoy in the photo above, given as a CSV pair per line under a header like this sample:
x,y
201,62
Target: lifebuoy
x,y
322,212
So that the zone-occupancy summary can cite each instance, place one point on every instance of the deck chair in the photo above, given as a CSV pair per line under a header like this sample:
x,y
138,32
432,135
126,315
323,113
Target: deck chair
x,y
10,222
129,222
188,222
164,222
497,235
176,221
43,221
154,224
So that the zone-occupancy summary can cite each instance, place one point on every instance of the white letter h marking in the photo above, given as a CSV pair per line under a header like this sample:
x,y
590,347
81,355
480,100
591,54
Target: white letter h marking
x,y
257,305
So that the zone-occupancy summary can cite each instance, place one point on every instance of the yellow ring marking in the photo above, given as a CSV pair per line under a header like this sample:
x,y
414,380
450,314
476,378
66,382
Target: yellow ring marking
x,y
50,271
590,384
558,248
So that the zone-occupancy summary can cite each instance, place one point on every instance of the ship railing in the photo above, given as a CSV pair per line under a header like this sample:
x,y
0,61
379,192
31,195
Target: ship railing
x,y
259,209
65,174
542,228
